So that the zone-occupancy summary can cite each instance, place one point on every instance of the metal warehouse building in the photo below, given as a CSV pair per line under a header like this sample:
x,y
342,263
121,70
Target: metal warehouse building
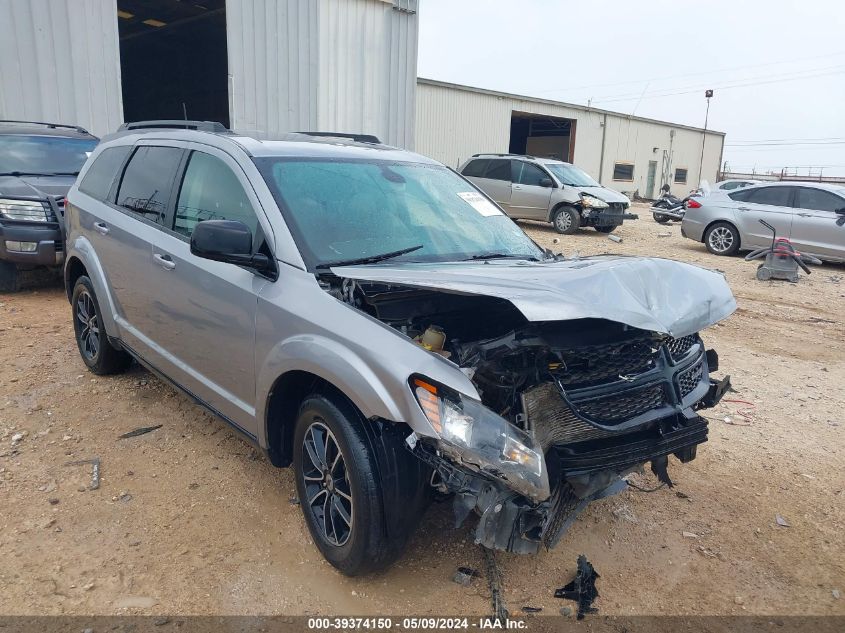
x,y
626,153
273,66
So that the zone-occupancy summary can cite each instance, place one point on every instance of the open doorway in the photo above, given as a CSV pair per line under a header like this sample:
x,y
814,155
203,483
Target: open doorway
x,y
542,136
173,60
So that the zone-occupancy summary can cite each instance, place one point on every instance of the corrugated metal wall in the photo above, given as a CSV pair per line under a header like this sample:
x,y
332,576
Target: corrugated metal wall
x,y
454,122
59,62
332,65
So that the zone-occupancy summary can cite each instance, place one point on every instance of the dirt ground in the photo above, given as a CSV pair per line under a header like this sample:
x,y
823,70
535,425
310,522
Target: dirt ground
x,y
189,519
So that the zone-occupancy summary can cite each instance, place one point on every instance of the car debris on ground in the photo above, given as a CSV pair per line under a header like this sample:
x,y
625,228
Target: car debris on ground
x,y
95,470
140,431
582,589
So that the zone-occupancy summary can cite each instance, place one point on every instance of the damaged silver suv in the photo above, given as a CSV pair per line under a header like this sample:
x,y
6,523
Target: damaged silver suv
x,y
371,318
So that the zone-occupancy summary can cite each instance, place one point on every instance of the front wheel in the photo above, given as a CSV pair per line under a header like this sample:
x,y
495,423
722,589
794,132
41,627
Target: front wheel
x,y
338,487
97,352
566,220
722,239
606,229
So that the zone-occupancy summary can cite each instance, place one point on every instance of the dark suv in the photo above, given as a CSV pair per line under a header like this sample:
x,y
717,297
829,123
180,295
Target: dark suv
x,y
38,164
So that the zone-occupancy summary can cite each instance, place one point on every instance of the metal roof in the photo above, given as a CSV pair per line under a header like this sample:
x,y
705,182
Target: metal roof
x,y
509,95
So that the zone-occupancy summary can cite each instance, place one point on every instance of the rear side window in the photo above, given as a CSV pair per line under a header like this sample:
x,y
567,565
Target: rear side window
x,y
530,174
211,191
818,200
773,196
499,169
100,176
476,168
147,181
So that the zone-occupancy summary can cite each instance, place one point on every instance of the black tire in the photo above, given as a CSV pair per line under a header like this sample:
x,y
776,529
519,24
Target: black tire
x,y
722,238
97,352
660,218
345,485
9,277
566,220
606,229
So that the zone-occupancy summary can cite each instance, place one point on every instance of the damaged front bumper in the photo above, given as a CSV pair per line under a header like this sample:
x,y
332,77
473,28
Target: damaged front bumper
x,y
588,451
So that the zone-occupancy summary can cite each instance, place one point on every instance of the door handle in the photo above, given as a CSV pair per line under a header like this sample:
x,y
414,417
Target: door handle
x,y
164,261
517,187
101,228
743,209
805,215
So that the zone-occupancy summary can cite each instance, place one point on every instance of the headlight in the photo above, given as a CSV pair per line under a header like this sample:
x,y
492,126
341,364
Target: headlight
x,y
471,434
592,202
31,210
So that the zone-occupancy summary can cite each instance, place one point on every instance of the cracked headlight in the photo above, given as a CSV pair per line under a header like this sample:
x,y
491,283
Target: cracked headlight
x,y
591,202
31,210
474,436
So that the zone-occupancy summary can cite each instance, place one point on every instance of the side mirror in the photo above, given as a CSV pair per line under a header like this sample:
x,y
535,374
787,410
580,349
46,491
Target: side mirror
x,y
546,182
227,241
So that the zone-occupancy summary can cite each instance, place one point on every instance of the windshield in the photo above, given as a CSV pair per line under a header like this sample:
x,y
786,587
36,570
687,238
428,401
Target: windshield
x,y
33,154
341,211
571,175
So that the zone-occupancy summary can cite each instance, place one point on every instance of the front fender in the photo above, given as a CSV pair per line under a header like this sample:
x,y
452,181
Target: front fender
x,y
81,249
342,368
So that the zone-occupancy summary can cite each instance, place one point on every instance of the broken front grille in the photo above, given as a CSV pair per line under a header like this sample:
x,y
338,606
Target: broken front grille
x,y
688,379
597,364
613,409
678,347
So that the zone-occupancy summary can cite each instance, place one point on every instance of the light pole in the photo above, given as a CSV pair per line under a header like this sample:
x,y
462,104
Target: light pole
x,y
707,94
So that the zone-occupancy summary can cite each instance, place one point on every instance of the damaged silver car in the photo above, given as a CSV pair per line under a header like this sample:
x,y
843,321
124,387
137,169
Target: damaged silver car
x,y
371,318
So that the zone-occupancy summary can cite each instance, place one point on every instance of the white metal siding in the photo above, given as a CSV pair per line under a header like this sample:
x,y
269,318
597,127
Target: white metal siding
x,y
60,62
332,65
454,122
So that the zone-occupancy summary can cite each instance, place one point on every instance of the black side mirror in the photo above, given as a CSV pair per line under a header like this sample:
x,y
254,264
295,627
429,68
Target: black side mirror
x,y
227,241
546,182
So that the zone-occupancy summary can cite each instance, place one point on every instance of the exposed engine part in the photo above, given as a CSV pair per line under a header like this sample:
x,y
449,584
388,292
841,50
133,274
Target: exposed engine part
x,y
552,421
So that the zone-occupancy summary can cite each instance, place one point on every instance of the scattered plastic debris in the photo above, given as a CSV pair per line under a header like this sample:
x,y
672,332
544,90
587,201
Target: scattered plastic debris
x,y
664,235
494,583
141,431
836,594
690,535
616,239
95,470
781,521
582,589
531,609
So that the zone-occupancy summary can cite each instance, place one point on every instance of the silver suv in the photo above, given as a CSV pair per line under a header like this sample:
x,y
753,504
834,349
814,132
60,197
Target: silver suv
x,y
549,190
369,317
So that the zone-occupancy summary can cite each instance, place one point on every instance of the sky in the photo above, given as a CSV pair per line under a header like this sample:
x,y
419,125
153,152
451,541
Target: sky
x,y
777,68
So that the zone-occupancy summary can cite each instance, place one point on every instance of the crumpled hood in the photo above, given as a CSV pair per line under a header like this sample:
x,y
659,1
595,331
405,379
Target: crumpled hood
x,y
608,195
35,186
653,294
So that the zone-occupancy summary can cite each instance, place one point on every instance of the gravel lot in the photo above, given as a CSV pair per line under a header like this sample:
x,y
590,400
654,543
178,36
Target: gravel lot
x,y
189,519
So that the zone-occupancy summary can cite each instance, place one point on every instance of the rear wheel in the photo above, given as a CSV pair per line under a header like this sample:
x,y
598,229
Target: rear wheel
x,y
338,487
566,220
97,352
722,239
9,277
660,218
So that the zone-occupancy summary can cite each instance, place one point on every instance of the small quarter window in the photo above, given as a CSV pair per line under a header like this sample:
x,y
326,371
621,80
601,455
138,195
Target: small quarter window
x,y
100,176
475,168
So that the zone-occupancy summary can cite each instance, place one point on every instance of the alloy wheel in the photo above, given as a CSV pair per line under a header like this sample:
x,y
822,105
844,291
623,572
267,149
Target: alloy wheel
x,y
721,239
88,326
563,221
327,490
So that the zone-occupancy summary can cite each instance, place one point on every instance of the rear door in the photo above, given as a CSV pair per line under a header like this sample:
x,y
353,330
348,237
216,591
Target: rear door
x,y
814,226
529,199
772,204
496,181
123,233
204,310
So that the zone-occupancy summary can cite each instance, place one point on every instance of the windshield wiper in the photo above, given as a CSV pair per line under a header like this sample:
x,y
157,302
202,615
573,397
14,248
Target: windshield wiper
x,y
500,256
371,259
18,174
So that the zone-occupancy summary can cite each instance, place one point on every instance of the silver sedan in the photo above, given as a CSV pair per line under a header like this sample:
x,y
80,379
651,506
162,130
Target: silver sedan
x,y
811,215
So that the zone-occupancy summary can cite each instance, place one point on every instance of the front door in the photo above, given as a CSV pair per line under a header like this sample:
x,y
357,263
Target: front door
x,y
815,226
205,310
649,184
772,204
530,199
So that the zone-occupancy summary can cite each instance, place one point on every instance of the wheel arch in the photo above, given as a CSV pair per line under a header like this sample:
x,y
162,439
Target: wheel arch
x,y
721,221
74,269
559,205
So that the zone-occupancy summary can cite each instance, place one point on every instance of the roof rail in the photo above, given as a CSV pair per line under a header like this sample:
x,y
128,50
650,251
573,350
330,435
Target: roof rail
x,y
358,138
202,126
505,154
53,126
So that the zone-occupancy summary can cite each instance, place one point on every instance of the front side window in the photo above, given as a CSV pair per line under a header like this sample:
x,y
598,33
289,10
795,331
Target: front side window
x,y
101,174
818,200
211,191
344,210
43,155
499,169
147,181
772,196
530,174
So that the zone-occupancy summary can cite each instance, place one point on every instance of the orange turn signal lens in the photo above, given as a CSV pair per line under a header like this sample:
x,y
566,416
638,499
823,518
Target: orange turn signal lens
x,y
427,397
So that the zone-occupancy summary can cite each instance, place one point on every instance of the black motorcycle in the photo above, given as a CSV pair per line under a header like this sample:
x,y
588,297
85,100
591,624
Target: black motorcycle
x,y
669,207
